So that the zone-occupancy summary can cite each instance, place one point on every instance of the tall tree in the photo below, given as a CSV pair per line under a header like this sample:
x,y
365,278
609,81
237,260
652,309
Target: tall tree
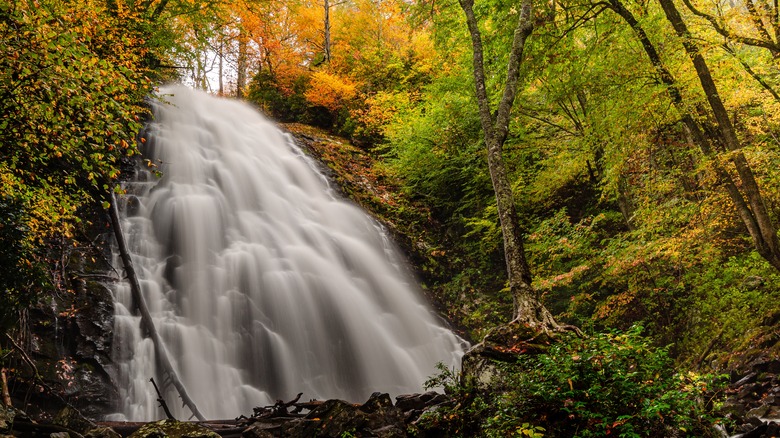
x,y
762,229
748,201
528,308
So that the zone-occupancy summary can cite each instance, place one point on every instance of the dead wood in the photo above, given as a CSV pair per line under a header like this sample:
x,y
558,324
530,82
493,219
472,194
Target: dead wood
x,y
146,318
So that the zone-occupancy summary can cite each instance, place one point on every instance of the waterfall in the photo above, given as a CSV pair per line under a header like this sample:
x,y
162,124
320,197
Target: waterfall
x,y
261,282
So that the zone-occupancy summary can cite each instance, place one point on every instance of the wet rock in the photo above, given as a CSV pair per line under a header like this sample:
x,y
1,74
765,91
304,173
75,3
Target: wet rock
x,y
377,403
409,402
330,419
102,432
257,431
391,431
333,418
733,408
751,391
173,429
758,412
753,282
72,419
749,378
6,418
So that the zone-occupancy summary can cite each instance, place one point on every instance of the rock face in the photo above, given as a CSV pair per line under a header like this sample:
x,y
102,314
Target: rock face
x,y
69,339
753,402
753,396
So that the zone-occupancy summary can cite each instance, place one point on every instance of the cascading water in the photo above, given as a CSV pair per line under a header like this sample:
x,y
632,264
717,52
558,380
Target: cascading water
x,y
260,281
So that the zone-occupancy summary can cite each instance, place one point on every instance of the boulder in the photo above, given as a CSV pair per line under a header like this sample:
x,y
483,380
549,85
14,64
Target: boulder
x,y
256,431
72,419
377,417
102,432
410,402
174,429
6,418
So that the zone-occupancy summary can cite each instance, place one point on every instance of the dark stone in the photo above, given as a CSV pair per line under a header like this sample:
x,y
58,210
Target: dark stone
x,y
763,365
6,417
256,432
771,320
751,391
753,282
72,419
759,412
733,407
377,403
333,418
391,431
102,432
413,402
173,429
749,378
756,432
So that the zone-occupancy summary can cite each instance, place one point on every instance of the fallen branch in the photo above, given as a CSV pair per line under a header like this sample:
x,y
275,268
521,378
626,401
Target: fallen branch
x,y
162,401
146,317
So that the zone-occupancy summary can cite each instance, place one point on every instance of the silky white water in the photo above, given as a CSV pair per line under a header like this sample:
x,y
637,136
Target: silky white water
x,y
261,282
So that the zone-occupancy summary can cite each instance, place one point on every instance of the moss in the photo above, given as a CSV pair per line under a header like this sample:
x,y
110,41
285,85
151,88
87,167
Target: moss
x,y
174,429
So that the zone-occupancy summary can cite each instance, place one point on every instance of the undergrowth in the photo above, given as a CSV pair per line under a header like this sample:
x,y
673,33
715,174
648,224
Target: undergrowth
x,y
607,384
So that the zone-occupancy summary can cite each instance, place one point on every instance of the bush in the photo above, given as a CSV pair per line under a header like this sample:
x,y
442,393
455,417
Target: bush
x,y
613,384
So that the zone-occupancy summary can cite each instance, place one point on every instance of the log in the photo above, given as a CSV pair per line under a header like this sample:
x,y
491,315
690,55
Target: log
x,y
146,318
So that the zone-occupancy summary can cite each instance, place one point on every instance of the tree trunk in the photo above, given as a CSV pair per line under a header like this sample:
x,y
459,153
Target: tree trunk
x,y
528,308
326,43
221,90
242,65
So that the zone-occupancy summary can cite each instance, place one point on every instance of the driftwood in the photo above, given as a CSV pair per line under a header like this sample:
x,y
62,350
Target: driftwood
x,y
281,409
146,318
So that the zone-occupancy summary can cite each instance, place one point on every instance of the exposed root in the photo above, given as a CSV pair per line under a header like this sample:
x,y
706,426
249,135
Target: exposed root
x,y
537,318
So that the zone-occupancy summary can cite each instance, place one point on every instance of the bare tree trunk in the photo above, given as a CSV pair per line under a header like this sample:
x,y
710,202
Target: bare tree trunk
x,y
326,43
242,65
528,308
221,91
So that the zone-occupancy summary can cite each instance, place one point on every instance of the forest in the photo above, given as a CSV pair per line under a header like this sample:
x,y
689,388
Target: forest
x,y
599,178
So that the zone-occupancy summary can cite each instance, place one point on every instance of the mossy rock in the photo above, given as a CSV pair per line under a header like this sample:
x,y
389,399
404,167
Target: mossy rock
x,y
174,429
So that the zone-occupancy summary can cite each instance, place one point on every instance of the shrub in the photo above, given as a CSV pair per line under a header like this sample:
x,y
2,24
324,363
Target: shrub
x,y
609,384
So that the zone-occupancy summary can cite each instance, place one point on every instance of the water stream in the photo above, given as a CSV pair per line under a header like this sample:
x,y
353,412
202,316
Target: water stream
x,y
261,282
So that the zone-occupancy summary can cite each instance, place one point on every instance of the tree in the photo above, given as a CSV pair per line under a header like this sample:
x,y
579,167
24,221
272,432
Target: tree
x,y
757,219
528,308
749,201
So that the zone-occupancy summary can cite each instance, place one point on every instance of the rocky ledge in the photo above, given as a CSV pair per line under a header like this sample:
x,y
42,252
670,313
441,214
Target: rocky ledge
x,y
377,417
753,401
